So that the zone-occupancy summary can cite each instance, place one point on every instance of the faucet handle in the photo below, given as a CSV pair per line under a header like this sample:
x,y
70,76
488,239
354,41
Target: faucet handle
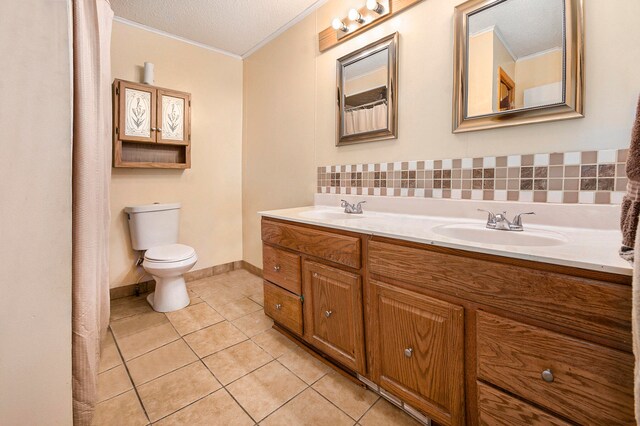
x,y
517,220
359,206
491,218
344,203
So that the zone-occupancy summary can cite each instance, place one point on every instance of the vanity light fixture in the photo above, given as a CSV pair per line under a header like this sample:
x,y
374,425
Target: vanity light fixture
x,y
360,19
338,25
374,6
354,15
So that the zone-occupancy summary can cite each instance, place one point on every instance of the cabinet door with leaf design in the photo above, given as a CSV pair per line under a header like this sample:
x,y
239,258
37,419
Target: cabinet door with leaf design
x,y
173,117
137,118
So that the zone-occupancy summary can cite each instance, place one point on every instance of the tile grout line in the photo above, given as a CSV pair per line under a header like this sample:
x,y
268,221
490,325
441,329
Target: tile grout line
x,y
223,386
199,359
332,403
370,408
148,352
238,402
294,396
135,388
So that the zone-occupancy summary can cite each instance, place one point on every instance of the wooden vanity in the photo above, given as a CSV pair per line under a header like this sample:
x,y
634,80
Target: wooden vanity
x,y
463,337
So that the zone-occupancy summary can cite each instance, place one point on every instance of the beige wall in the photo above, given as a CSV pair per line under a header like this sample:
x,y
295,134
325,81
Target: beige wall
x,y
278,139
480,74
536,71
364,82
425,88
424,102
211,191
35,183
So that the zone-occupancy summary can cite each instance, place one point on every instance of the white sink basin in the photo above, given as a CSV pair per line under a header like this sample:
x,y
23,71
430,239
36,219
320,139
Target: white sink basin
x,y
480,234
329,215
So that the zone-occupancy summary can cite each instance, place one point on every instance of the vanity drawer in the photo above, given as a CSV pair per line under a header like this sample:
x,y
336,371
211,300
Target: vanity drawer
x,y
285,308
582,381
334,247
282,268
587,306
498,408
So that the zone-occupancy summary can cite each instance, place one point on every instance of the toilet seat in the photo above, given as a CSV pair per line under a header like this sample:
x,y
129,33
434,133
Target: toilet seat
x,y
169,253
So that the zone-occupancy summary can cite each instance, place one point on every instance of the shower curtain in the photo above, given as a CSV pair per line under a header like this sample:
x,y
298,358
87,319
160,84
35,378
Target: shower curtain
x,y
365,119
92,21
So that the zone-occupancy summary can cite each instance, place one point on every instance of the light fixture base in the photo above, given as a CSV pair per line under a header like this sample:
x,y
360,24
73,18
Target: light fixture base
x,y
366,17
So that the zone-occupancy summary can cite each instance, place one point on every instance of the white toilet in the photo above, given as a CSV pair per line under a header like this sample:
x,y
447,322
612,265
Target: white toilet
x,y
154,229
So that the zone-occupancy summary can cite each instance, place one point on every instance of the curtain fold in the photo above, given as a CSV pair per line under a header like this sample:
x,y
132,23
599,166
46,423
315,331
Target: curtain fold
x,y
380,117
348,123
92,20
365,119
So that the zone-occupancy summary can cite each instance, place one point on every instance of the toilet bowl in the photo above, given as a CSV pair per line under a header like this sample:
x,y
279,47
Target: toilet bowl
x,y
167,264
154,230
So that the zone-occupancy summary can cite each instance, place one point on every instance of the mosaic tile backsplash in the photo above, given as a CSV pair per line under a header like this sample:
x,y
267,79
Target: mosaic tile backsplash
x,y
588,177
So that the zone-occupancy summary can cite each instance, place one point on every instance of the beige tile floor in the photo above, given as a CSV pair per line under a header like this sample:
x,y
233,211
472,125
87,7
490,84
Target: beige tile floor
x,y
219,362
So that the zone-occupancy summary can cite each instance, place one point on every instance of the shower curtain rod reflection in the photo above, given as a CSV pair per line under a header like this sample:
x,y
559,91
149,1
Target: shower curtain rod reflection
x,y
367,105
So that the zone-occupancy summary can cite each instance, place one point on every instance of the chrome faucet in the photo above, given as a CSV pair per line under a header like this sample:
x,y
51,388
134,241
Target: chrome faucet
x,y
352,208
500,222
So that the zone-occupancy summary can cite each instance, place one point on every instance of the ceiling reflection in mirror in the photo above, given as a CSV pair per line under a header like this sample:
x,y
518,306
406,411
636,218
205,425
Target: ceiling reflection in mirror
x,y
516,56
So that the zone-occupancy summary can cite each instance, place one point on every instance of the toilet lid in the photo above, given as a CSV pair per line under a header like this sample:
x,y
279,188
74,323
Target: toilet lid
x,y
169,253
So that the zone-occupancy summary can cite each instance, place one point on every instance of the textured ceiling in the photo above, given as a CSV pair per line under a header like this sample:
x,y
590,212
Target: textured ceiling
x,y
527,26
367,65
235,26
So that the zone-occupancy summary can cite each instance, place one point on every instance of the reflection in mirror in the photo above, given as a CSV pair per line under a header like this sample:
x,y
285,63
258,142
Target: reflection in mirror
x,y
366,97
517,62
516,56
365,94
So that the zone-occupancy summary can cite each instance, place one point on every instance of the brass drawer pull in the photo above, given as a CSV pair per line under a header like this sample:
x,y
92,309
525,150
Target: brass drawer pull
x,y
276,268
547,375
408,352
278,306
328,313
315,275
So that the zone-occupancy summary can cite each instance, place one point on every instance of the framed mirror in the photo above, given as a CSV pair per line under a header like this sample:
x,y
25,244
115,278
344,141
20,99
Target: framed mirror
x,y
367,81
517,62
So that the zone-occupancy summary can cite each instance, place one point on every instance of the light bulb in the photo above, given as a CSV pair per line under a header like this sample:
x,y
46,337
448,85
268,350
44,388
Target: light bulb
x,y
374,6
337,24
354,15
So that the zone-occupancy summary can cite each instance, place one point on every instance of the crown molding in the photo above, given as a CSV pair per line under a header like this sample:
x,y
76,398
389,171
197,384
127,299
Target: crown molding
x,y
308,11
175,37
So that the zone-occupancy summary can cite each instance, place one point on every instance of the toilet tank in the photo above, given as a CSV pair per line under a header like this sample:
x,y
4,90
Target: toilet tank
x,y
153,225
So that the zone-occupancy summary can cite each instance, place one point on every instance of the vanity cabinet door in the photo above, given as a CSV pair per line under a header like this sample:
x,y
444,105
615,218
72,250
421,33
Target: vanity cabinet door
x,y
416,348
333,313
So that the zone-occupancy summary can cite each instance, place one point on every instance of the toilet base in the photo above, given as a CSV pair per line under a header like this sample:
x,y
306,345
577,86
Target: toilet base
x,y
170,295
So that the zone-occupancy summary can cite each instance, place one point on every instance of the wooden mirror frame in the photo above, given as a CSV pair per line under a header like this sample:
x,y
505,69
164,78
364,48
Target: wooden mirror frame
x,y
389,42
572,105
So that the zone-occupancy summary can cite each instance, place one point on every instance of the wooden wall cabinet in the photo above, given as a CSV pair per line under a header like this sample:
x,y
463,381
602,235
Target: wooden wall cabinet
x,y
463,337
151,126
